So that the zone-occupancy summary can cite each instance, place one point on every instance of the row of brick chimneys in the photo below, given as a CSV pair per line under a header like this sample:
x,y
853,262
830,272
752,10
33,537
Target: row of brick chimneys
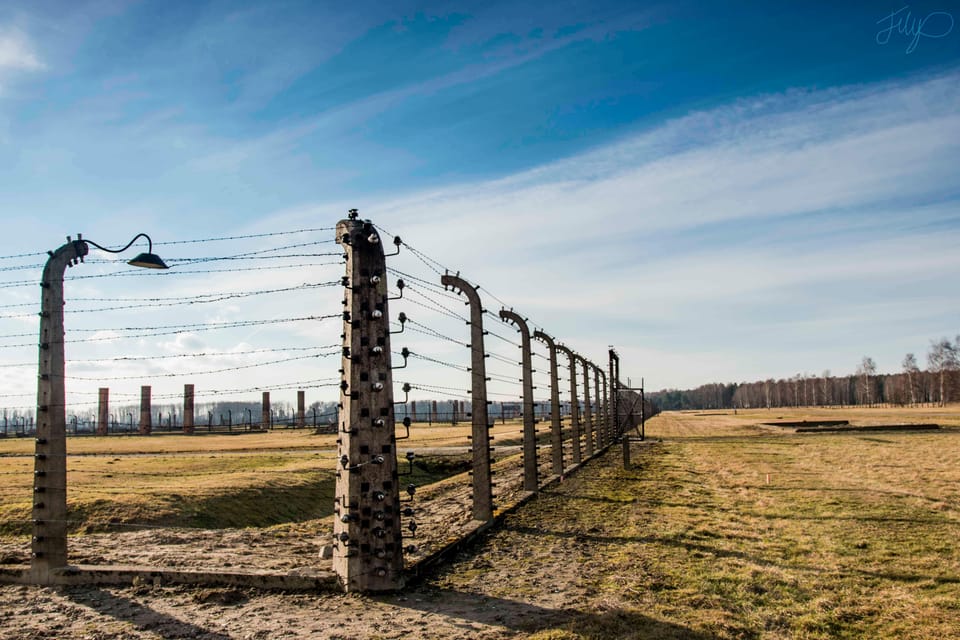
x,y
146,415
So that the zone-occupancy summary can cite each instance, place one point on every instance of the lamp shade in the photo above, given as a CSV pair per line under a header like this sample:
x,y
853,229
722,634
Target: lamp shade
x,y
148,261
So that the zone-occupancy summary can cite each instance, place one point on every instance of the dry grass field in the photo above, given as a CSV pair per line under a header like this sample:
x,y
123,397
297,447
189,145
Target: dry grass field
x,y
757,531
278,439
723,528
217,480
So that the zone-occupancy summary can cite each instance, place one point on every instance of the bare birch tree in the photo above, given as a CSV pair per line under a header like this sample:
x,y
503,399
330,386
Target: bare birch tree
x,y
942,359
911,369
865,372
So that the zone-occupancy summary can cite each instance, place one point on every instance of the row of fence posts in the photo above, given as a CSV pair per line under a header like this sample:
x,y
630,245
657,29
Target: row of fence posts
x,y
24,425
368,539
368,545
460,409
456,413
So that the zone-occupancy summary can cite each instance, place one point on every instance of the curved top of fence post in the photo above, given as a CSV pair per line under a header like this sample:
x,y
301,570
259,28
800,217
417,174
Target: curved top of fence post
x,y
569,352
543,337
467,289
517,319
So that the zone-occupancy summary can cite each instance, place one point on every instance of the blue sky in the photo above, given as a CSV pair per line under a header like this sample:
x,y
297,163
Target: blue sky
x,y
723,192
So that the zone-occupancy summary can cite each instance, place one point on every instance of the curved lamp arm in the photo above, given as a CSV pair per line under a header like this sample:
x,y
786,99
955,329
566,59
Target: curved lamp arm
x,y
129,244
150,260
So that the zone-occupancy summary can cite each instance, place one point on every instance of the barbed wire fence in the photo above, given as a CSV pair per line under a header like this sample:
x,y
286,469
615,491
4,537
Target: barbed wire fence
x,y
247,338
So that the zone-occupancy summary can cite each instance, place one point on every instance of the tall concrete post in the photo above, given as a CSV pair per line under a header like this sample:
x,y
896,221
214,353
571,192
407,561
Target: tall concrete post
x,y
530,482
413,411
587,409
574,405
433,413
146,417
482,485
103,411
368,545
49,545
301,409
618,401
188,426
615,392
556,431
619,420
643,411
599,402
265,411
607,420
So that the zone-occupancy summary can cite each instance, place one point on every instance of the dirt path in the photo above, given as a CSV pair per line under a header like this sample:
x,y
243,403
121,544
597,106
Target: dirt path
x,y
538,575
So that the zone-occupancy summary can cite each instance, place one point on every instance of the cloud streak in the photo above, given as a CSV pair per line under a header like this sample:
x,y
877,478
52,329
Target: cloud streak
x,y
816,201
16,52
849,149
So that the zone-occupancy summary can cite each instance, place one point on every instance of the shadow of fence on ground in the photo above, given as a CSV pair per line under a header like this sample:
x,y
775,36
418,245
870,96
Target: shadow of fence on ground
x,y
524,617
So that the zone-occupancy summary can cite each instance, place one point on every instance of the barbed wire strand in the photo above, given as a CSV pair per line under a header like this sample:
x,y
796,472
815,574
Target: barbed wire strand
x,y
204,373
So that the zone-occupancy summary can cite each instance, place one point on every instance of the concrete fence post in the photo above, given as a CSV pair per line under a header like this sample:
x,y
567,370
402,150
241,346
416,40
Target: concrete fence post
x,y
433,413
368,545
643,411
574,405
615,399
482,484
49,542
188,426
530,481
607,421
587,409
146,418
103,411
265,410
615,393
556,430
599,404
301,409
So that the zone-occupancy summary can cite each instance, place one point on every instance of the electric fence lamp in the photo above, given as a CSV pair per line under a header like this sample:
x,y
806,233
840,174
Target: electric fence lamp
x,y
49,547
148,260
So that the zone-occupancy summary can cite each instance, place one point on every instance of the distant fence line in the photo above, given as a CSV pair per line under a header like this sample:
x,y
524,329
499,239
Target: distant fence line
x,y
248,415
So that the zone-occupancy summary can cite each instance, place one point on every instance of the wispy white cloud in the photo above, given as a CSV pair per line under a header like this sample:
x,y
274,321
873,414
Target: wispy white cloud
x,y
787,155
17,52
816,198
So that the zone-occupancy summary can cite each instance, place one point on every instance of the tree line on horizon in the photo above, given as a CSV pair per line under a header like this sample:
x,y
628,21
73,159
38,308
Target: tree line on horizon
x,y
938,384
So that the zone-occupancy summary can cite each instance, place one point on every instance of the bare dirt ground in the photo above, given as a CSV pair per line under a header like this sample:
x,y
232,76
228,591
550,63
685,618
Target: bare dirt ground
x,y
473,597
